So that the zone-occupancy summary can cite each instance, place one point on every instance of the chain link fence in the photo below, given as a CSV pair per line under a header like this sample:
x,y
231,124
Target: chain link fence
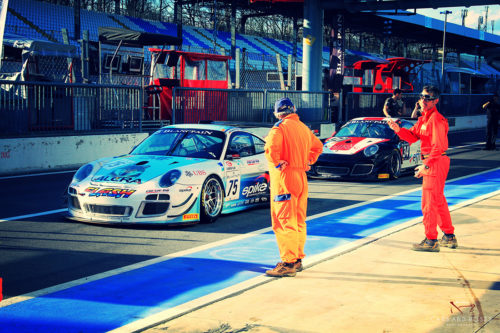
x,y
261,71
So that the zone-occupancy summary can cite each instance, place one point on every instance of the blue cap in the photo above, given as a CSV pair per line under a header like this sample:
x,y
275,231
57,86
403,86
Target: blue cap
x,y
284,105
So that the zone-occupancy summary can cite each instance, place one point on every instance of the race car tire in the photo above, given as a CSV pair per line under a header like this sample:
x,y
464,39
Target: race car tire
x,y
394,165
212,200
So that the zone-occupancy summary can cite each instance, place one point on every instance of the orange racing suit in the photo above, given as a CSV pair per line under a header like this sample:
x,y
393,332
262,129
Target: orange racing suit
x,y
292,141
432,131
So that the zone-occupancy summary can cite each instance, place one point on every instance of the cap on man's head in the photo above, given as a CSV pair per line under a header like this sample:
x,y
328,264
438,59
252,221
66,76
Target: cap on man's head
x,y
284,106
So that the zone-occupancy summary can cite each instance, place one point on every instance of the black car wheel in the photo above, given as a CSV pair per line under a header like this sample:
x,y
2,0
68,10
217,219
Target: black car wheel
x,y
394,165
212,200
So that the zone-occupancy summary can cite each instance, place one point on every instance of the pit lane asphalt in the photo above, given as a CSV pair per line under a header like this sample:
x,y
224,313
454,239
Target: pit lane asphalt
x,y
42,251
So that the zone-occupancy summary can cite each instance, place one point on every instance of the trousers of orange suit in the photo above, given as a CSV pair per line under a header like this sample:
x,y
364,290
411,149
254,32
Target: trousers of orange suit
x,y
434,206
289,191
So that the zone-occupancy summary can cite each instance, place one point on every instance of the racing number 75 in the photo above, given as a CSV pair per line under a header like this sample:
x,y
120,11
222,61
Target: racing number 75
x,y
233,187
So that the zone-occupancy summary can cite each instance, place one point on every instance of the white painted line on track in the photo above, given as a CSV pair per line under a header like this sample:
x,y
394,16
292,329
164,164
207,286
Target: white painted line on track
x,y
21,217
37,174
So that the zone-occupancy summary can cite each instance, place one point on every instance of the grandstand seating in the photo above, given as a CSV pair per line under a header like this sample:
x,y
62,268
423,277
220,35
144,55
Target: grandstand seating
x,y
43,20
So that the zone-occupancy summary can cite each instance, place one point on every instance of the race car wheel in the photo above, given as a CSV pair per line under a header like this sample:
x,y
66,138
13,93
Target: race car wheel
x,y
212,199
394,166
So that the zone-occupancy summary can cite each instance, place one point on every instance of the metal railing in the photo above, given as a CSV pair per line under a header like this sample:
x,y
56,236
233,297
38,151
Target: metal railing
x,y
48,109
192,105
40,108
450,105
51,109
312,106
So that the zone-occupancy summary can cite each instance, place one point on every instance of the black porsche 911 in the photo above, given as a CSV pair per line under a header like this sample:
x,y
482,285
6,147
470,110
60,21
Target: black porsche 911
x,y
367,148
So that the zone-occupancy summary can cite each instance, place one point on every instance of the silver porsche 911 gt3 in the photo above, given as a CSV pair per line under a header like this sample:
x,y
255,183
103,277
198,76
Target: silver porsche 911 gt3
x,y
180,174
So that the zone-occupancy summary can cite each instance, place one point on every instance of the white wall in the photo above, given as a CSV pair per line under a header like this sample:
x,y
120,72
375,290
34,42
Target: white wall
x,y
26,155
464,123
23,155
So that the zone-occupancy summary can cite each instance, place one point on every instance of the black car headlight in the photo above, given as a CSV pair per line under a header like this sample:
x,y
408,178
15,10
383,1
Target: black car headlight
x,y
83,172
370,151
170,178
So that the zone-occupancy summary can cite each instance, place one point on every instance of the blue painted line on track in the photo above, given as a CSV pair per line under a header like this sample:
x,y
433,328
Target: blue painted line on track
x,y
115,301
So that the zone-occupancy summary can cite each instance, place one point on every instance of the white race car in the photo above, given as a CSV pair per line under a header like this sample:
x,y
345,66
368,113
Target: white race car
x,y
180,174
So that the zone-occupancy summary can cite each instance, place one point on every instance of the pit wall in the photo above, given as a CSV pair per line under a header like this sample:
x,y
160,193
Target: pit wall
x,y
33,155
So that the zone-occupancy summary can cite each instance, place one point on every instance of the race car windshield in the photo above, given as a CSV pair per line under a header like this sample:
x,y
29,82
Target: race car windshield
x,y
364,129
183,143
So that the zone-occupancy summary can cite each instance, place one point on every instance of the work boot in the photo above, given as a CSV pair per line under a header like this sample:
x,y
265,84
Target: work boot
x,y
449,240
428,245
298,265
283,269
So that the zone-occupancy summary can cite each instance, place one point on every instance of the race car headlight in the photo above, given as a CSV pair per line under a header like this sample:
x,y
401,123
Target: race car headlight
x,y
370,151
170,178
83,172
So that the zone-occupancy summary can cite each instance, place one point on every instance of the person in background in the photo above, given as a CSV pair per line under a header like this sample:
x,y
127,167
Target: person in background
x,y
394,106
291,147
417,111
492,108
432,131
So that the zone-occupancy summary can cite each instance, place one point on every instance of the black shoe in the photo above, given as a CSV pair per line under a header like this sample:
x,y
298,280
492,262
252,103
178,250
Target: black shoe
x,y
428,245
449,240
298,265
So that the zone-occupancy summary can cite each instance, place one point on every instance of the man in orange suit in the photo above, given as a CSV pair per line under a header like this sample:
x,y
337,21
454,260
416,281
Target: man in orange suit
x,y
291,147
432,131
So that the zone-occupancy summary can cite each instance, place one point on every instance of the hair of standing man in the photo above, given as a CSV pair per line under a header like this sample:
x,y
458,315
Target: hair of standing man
x,y
432,89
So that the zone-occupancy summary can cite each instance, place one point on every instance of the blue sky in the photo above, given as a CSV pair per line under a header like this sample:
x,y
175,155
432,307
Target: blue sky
x,y
472,16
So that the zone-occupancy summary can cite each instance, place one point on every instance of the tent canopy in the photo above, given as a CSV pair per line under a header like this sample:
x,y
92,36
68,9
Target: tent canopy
x,y
465,70
39,47
111,35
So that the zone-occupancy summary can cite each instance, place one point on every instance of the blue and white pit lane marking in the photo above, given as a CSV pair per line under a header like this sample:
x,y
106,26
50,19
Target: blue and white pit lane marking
x,y
147,293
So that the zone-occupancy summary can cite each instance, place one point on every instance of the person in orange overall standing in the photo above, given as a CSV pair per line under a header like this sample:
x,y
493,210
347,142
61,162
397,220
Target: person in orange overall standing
x,y
432,131
291,147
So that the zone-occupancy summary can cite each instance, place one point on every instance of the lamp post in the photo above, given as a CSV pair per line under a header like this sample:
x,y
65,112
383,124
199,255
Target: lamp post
x,y
446,12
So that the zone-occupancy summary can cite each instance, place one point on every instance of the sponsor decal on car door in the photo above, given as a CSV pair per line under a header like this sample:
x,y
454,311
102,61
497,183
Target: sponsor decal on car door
x,y
232,170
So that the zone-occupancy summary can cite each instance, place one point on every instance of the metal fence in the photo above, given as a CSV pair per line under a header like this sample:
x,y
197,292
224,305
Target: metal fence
x,y
28,108
312,107
45,109
450,105
192,105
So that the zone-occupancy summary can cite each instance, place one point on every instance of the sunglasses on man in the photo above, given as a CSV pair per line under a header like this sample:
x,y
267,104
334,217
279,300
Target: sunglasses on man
x,y
427,97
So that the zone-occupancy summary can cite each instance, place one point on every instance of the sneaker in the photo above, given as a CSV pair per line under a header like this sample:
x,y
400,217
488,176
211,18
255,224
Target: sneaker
x,y
449,241
298,265
428,245
282,269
